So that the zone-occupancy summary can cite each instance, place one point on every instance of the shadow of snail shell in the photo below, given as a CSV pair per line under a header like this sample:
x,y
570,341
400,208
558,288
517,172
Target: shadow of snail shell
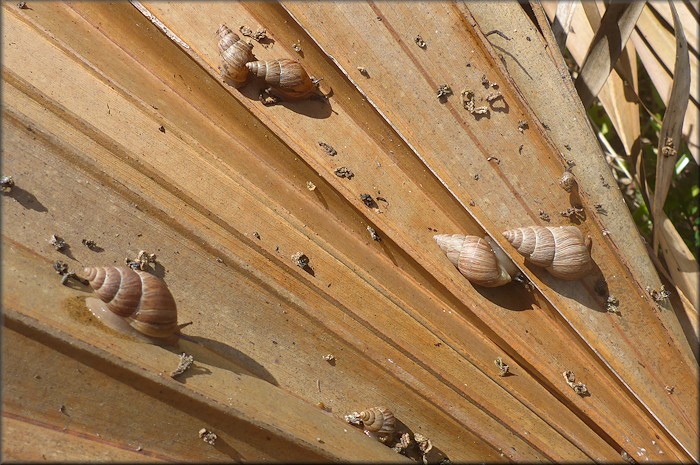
x,y
133,302
480,260
377,422
287,78
234,55
562,250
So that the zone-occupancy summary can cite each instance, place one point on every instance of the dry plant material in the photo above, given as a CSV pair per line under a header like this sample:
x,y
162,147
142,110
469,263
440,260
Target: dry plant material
x,y
259,35
522,126
296,46
207,436
468,100
612,305
57,242
567,181
344,172
6,183
22,6
498,161
424,445
90,244
328,149
330,358
600,209
670,389
368,200
493,96
544,216
420,42
363,71
402,444
373,233
142,262
579,388
502,367
310,186
183,365
443,91
60,267
300,260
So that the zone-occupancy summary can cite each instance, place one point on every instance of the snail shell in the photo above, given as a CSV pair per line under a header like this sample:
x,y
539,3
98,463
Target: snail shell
x,y
480,260
562,251
287,78
234,55
377,422
134,302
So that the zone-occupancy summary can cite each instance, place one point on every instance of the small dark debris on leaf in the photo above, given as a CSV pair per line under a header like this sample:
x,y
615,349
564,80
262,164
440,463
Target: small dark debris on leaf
x,y
267,99
162,129
485,82
256,235
60,267
668,150
57,242
373,233
567,181
658,296
498,161
368,200
600,209
443,91
575,212
183,365
207,436
520,149
612,305
579,388
363,71
90,244
502,367
496,31
472,203
420,42
220,260
604,182
476,177
344,172
300,260
567,147
670,389
258,35
544,216
522,126
328,149
297,46
330,358
22,6
71,275
6,183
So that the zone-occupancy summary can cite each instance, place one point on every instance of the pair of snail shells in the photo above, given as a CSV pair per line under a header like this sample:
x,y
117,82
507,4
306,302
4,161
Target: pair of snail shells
x,y
377,422
287,78
234,55
480,260
133,302
562,250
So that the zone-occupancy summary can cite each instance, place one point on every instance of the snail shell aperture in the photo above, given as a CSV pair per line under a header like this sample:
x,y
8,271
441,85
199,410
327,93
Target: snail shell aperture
x,y
479,259
234,55
133,302
287,78
562,250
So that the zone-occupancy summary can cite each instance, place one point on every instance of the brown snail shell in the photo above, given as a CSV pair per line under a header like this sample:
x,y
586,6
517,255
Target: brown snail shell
x,y
133,302
234,55
479,259
562,250
287,78
377,422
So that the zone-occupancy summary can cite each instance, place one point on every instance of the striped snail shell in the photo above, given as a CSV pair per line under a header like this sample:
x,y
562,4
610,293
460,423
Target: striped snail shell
x,y
561,250
133,302
377,422
480,260
287,78
234,55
